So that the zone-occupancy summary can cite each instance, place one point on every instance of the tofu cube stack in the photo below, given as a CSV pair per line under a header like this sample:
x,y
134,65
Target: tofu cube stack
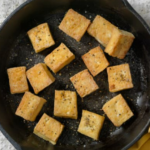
x,y
91,124
41,37
39,77
17,80
84,83
65,104
95,60
48,129
30,106
116,42
117,110
74,24
119,78
59,58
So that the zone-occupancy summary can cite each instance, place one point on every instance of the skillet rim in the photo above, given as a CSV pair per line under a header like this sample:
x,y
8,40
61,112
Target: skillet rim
x,y
130,9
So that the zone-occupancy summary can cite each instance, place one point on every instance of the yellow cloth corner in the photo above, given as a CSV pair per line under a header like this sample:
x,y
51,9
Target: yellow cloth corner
x,y
146,146
142,144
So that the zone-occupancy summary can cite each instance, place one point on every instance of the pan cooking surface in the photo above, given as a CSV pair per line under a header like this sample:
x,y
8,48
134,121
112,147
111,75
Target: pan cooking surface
x,y
21,53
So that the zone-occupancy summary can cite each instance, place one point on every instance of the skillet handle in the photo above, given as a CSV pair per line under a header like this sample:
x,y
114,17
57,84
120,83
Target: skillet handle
x,y
127,4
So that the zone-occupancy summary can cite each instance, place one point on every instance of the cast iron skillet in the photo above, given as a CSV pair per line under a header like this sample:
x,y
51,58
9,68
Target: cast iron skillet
x,y
16,50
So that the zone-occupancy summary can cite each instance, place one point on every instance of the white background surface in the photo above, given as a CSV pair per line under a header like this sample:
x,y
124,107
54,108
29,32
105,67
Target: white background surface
x,y
7,6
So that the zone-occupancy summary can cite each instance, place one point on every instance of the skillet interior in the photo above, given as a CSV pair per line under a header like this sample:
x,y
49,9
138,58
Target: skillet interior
x,y
16,50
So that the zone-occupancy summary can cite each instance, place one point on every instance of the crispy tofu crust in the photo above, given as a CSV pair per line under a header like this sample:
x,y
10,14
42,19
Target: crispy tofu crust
x,y
117,110
74,24
119,43
59,58
41,37
91,124
65,104
39,77
84,83
95,60
30,106
119,78
101,30
17,80
48,129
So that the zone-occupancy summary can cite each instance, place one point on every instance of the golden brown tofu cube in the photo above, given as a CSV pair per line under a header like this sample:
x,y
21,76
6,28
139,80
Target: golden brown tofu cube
x,y
95,60
149,130
117,110
101,30
119,78
41,37
59,58
48,129
30,106
119,43
65,104
91,124
74,24
17,80
39,77
84,83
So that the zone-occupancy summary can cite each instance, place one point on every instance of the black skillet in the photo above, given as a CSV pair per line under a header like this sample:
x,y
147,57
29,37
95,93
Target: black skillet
x,y
16,50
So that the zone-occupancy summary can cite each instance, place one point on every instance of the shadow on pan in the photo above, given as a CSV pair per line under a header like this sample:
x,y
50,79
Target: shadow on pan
x,y
16,50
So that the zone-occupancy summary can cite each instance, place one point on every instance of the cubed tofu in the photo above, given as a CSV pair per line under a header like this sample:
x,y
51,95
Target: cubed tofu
x,y
91,124
119,78
41,37
119,43
74,24
39,77
48,129
101,30
95,60
30,106
117,110
17,80
59,58
65,104
149,130
84,83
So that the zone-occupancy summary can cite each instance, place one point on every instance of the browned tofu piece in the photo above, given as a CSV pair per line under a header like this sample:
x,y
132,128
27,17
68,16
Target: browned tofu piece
x,y
119,78
117,110
95,60
65,104
41,37
59,58
17,80
39,77
84,83
119,43
101,30
30,106
48,129
74,24
149,130
91,124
